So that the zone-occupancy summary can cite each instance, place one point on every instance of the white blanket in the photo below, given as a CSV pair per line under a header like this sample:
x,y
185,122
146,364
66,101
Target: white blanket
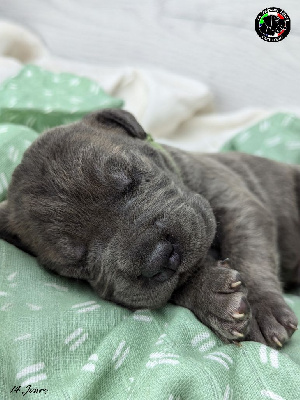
x,y
174,109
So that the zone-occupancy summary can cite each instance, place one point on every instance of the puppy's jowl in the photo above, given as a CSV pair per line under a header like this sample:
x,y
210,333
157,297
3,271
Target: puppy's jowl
x,y
145,225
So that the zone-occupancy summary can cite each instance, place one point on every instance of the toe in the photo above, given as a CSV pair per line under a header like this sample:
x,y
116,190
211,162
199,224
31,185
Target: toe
x,y
255,332
273,321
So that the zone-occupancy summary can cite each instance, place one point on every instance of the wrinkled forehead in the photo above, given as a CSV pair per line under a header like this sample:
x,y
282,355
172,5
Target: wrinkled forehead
x,y
111,154
107,146
75,149
78,159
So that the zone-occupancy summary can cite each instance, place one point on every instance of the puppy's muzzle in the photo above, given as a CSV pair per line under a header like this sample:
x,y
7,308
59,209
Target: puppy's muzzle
x,y
163,262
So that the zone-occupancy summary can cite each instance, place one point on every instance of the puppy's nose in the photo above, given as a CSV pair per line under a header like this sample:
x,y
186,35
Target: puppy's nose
x,y
163,262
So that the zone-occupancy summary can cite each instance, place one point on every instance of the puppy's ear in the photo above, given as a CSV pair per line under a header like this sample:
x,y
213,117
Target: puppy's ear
x,y
113,118
6,232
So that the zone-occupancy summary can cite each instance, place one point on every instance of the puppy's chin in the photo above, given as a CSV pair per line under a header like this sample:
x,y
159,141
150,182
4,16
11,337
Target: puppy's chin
x,y
138,294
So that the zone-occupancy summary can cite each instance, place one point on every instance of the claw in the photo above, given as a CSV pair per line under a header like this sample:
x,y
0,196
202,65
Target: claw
x,y
237,334
238,315
235,284
293,327
277,341
225,262
239,344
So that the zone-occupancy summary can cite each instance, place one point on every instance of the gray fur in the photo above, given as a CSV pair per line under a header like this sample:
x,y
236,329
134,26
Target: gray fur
x,y
94,200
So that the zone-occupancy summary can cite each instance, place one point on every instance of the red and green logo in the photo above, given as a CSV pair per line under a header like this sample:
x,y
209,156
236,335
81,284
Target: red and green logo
x,y
272,24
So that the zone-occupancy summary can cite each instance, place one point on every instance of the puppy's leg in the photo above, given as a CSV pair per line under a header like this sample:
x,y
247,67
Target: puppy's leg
x,y
248,238
218,298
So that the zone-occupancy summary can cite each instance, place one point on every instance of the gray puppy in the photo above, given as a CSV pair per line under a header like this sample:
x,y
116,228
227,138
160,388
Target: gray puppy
x,y
145,225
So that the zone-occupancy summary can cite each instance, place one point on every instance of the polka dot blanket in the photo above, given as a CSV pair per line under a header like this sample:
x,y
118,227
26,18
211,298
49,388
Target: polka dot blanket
x,y
58,340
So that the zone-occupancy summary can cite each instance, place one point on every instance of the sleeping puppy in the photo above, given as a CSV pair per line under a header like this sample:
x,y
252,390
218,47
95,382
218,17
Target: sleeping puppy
x,y
145,224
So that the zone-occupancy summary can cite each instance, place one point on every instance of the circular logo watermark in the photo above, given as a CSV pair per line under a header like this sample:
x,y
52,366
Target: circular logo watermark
x,y
272,24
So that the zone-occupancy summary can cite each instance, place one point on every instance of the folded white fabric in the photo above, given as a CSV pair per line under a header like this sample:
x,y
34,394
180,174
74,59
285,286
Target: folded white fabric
x,y
19,43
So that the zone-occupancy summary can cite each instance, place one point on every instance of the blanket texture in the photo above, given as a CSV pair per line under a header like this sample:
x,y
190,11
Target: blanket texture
x,y
58,337
276,137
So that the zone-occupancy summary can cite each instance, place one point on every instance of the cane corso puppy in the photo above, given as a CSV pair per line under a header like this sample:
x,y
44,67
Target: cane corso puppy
x,y
145,224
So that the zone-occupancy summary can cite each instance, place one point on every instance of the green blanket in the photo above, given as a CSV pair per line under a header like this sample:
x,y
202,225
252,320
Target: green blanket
x,y
57,337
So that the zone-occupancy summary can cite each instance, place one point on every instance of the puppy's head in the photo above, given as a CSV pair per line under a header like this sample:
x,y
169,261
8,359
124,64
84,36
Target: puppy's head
x,y
94,200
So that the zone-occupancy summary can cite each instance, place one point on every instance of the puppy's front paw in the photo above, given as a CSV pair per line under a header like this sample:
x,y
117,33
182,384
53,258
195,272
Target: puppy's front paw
x,y
273,321
228,310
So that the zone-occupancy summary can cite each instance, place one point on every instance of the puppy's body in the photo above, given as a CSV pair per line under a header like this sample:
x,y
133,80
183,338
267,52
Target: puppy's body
x,y
144,226
242,183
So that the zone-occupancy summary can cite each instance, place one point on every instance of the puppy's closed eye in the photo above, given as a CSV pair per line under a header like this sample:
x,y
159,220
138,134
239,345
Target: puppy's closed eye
x,y
130,187
126,183
122,181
